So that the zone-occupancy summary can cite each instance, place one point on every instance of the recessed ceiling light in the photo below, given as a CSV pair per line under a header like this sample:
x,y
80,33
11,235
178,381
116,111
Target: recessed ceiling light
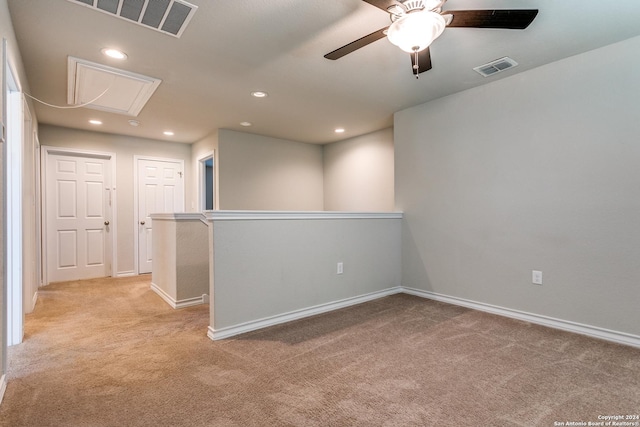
x,y
114,53
168,133
339,130
259,94
95,122
135,123
245,124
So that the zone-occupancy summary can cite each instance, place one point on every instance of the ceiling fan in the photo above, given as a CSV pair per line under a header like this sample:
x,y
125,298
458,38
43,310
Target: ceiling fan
x,y
415,24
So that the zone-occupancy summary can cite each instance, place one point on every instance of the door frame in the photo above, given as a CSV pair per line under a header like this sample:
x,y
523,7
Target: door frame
x,y
136,198
39,212
30,280
12,186
45,151
201,181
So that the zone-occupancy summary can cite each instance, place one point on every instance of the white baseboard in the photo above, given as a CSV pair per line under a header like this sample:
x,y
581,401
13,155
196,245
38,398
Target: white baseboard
x,y
126,273
565,325
34,300
176,304
218,334
3,386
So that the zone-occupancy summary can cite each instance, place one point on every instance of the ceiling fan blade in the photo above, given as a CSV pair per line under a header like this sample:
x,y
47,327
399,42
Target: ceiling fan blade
x,y
424,61
515,19
382,4
355,45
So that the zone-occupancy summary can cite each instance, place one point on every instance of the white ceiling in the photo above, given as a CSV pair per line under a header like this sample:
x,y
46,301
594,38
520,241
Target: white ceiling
x,y
233,47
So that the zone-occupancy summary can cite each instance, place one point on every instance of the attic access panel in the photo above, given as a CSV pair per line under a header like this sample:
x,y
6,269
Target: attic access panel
x,y
167,16
117,91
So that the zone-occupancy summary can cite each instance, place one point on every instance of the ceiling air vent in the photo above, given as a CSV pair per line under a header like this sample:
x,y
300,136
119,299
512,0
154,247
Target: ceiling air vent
x,y
494,67
167,16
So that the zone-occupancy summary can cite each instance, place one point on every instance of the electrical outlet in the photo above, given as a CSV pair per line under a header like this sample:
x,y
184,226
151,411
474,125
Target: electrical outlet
x,y
340,269
536,277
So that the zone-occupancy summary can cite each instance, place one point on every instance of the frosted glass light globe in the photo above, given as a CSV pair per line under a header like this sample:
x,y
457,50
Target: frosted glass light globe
x,y
415,31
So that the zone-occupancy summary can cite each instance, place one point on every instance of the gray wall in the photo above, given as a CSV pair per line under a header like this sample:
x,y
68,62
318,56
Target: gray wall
x,y
263,173
269,267
358,173
125,148
536,171
192,259
180,256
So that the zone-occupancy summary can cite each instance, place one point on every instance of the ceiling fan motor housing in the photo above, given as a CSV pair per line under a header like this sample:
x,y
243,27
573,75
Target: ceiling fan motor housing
x,y
414,5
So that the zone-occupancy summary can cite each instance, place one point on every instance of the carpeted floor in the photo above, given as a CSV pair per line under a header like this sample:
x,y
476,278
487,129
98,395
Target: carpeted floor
x,y
111,353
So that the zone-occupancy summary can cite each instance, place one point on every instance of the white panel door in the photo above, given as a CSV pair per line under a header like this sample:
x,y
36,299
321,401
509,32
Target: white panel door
x,y
160,190
78,210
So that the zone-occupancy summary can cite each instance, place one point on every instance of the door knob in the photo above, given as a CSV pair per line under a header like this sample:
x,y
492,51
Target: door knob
x,y
141,222
106,223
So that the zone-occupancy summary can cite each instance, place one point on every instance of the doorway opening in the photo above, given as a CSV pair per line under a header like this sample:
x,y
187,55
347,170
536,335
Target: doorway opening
x,y
206,182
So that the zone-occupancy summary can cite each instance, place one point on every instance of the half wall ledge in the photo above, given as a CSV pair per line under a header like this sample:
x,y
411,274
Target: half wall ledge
x,y
267,267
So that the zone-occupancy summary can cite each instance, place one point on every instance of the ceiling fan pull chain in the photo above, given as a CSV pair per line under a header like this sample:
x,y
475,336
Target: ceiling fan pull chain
x,y
416,66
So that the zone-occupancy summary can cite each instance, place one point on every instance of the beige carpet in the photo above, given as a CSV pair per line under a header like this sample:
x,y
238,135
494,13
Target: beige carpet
x,y
112,353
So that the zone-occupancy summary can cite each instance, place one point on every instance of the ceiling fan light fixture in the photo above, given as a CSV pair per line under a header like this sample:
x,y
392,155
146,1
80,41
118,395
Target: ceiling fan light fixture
x,y
415,31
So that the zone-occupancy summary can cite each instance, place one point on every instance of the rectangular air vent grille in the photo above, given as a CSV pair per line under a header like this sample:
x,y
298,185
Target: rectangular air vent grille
x,y
167,16
496,66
